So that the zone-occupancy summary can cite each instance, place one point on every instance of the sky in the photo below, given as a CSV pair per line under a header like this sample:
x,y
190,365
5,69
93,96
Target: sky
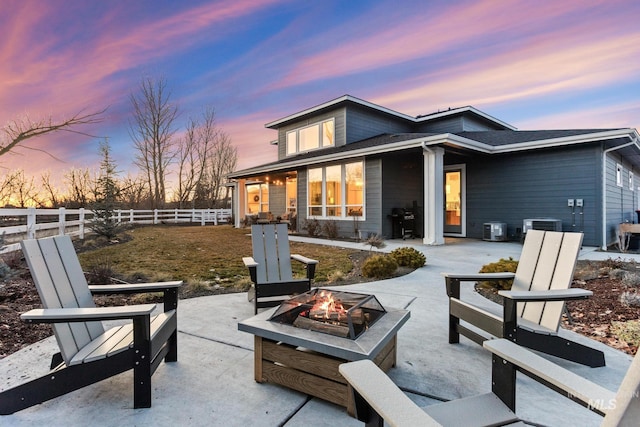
x,y
535,64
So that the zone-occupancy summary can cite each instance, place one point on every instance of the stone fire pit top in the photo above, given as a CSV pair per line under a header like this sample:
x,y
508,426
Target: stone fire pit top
x,y
366,346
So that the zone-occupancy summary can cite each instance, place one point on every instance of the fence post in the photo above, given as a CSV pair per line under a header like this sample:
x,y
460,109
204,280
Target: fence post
x,y
31,223
175,215
81,225
61,221
155,216
130,215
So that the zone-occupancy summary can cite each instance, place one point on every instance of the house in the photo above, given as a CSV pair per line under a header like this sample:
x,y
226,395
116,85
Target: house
x,y
361,165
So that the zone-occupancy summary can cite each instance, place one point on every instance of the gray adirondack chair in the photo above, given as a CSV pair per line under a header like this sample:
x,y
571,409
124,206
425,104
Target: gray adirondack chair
x,y
378,399
533,307
270,266
88,352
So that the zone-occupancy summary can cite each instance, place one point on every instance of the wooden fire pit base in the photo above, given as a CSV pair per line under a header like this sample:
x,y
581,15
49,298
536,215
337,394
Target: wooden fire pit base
x,y
311,372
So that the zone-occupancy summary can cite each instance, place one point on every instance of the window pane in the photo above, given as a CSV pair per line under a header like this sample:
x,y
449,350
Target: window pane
x,y
309,138
253,198
334,186
292,194
315,187
354,188
327,133
264,198
291,142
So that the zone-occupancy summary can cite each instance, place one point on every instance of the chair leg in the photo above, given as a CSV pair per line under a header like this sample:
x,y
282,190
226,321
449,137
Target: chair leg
x,y
561,347
172,343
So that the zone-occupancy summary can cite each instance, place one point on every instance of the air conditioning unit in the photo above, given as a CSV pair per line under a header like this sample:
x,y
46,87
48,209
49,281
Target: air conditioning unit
x,y
546,224
494,231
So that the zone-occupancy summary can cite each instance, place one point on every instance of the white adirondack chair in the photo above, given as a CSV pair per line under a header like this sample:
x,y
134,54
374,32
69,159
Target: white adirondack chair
x,y
533,307
270,266
88,352
378,399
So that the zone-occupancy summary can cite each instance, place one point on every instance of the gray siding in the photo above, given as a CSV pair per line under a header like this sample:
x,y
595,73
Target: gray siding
x,y
363,124
621,202
277,199
536,184
449,124
402,187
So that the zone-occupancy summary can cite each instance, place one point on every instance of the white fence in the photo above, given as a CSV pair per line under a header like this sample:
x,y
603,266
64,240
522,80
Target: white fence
x,y
31,223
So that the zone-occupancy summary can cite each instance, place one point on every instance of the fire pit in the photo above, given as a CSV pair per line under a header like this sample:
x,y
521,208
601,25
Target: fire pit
x,y
306,358
343,314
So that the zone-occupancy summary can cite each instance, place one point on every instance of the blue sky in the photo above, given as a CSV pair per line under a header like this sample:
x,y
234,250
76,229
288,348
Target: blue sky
x,y
533,64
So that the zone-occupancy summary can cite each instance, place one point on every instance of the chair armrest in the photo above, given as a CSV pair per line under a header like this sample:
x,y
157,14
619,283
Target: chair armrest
x,y
303,259
472,277
310,264
249,261
549,295
453,280
579,389
382,396
62,315
131,288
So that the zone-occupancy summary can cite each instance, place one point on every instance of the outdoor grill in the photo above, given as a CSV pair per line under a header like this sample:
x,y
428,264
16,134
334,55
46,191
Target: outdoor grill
x,y
403,223
343,314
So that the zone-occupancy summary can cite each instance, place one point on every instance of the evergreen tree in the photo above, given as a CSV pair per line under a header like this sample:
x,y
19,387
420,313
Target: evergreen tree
x,y
107,193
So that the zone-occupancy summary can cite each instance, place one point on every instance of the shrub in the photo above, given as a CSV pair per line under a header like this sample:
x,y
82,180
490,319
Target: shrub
x,y
375,241
631,279
627,331
504,265
100,273
312,227
630,299
379,266
330,229
335,276
409,257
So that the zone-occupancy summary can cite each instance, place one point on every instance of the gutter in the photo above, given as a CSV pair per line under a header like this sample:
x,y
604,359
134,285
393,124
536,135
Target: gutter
x,y
633,141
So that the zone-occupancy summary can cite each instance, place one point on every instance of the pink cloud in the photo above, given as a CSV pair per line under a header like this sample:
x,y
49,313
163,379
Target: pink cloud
x,y
534,71
623,115
421,35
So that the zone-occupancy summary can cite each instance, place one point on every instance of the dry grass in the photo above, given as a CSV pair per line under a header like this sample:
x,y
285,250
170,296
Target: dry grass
x,y
198,254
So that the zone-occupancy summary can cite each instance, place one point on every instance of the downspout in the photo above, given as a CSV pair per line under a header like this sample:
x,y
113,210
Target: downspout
x,y
604,187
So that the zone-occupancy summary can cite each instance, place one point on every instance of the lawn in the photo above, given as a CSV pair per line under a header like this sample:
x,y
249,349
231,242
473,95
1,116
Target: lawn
x,y
196,254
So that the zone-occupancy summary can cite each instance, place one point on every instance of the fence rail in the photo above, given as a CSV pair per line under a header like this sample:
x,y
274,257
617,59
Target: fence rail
x,y
31,223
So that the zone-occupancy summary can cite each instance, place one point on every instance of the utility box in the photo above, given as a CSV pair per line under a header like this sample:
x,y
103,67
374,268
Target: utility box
x,y
546,224
494,231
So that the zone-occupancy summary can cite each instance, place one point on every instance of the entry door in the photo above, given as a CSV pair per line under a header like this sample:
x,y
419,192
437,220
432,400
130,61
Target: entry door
x,y
454,200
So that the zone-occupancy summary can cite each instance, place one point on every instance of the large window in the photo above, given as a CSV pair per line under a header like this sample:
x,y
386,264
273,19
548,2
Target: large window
x,y
317,135
257,198
336,191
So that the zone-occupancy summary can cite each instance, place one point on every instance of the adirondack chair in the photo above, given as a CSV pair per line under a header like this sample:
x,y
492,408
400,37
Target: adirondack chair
x,y
88,352
270,266
534,305
377,398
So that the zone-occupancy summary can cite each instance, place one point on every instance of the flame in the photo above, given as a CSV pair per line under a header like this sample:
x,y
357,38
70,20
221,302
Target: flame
x,y
332,308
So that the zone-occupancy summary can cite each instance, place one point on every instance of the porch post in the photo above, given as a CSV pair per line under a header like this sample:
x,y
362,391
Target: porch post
x,y
433,195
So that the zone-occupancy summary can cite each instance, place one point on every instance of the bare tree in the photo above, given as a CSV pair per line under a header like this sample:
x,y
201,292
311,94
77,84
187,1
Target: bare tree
x,y
6,187
223,160
133,191
24,191
193,156
152,130
19,130
50,190
79,188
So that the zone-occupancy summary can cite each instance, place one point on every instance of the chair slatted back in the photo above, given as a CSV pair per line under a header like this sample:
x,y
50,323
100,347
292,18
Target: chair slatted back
x,y
60,282
271,251
626,411
548,261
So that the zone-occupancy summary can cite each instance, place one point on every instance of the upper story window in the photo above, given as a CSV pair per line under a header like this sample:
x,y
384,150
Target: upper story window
x,y
317,135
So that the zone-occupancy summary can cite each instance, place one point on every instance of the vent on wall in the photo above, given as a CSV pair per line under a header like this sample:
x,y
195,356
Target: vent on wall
x,y
494,231
547,224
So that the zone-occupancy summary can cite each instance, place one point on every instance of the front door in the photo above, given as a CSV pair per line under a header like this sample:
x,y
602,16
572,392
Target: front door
x,y
454,200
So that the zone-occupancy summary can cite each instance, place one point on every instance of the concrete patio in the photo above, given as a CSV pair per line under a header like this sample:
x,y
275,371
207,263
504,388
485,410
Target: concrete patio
x,y
212,382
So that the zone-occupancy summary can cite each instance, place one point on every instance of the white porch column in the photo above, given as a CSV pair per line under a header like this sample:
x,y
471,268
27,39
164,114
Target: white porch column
x,y
433,195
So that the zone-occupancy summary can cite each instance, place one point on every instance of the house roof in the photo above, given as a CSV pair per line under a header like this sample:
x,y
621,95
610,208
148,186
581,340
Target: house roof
x,y
348,99
489,142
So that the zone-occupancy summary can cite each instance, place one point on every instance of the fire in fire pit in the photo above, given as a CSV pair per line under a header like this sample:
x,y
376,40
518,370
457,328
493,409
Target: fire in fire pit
x,y
344,314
